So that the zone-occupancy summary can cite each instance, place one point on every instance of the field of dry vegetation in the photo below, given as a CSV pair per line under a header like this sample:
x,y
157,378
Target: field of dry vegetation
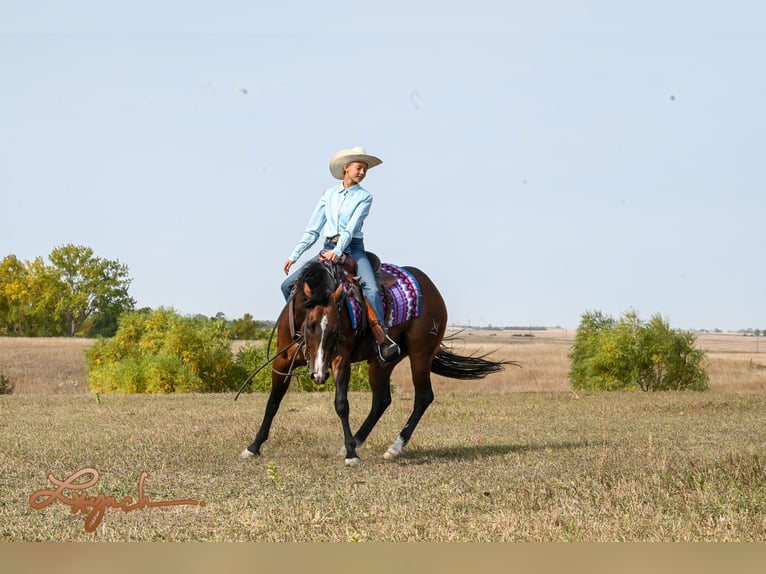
x,y
518,456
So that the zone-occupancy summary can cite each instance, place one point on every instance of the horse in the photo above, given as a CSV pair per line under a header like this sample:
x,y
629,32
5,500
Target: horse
x,y
315,330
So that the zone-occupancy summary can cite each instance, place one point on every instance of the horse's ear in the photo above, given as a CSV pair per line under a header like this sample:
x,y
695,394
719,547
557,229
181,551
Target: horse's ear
x,y
307,290
338,292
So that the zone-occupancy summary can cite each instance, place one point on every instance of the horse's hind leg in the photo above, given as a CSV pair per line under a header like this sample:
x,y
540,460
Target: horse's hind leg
x,y
380,383
424,396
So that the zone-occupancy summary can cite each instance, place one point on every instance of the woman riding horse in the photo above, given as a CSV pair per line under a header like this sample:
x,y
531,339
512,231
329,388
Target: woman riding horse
x,y
341,211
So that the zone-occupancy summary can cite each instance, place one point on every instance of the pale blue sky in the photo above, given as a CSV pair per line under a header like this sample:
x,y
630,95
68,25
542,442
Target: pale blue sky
x,y
540,159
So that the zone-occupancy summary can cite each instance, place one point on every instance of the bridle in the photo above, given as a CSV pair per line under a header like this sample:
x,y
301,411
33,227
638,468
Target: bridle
x,y
297,337
333,271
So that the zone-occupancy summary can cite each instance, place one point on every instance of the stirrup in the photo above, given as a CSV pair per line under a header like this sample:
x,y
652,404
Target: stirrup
x,y
387,350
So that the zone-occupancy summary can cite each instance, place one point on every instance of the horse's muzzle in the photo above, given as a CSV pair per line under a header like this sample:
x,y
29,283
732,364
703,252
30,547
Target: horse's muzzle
x,y
320,378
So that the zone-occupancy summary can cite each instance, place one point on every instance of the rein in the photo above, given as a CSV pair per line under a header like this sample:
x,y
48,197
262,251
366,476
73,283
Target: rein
x,y
296,341
271,360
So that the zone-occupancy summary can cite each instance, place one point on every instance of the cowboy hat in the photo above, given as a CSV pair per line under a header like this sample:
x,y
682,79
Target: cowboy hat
x,y
346,156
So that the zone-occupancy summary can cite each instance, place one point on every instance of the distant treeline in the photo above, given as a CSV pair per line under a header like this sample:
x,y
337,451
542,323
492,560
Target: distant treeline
x,y
506,328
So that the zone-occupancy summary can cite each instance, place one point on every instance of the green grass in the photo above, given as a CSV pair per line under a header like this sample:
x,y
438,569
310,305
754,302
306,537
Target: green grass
x,y
481,467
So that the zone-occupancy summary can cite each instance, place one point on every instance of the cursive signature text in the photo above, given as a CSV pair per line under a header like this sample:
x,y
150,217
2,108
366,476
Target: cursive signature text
x,y
73,492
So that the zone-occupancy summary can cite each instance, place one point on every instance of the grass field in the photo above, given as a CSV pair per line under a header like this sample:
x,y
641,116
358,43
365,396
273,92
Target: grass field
x,y
518,456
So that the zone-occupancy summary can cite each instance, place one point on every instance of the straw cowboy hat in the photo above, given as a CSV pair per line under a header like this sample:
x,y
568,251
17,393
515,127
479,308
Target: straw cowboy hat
x,y
346,156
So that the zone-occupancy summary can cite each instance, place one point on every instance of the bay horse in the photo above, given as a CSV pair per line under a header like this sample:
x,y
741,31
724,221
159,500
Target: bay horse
x,y
315,329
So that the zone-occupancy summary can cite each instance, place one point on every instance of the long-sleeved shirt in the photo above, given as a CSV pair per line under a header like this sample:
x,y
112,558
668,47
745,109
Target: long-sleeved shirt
x,y
341,212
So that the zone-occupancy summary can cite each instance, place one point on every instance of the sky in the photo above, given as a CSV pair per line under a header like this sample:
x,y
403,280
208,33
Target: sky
x,y
540,159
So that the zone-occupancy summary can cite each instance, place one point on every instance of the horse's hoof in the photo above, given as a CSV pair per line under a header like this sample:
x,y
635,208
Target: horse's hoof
x,y
353,461
395,450
247,455
342,450
391,454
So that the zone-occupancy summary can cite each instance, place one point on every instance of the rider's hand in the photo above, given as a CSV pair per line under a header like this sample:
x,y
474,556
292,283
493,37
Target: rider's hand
x,y
328,256
287,266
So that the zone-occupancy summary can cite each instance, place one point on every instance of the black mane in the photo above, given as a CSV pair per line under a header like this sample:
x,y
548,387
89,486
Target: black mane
x,y
318,277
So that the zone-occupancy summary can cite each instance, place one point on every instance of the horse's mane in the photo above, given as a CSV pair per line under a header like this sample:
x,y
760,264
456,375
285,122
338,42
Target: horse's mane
x,y
320,280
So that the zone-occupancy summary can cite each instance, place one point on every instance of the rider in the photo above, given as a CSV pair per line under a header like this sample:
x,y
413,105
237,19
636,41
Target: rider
x,y
341,211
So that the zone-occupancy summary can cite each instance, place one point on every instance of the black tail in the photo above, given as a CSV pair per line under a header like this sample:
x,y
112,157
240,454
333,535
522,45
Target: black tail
x,y
448,364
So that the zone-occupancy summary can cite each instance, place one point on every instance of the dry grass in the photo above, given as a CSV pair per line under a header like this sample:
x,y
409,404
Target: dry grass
x,y
45,366
481,467
518,456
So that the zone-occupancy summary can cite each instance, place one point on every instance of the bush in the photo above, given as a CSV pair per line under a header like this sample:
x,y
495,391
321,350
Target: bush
x,y
163,352
6,386
250,358
629,354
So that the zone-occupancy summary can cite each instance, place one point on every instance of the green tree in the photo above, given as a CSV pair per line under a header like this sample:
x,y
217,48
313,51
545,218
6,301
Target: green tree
x,y
13,296
248,328
630,353
27,298
89,286
78,293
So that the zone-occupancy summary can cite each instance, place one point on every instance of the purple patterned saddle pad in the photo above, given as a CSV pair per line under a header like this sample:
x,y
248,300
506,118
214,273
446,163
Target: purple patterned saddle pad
x,y
401,296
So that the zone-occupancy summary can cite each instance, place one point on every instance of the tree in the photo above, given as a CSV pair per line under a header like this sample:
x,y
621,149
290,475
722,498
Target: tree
x,y
89,286
27,298
13,295
247,328
78,293
629,353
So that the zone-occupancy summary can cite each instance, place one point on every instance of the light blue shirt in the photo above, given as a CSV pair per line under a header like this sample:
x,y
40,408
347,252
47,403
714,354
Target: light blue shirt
x,y
340,211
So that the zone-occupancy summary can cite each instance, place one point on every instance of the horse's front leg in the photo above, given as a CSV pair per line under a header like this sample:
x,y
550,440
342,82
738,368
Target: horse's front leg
x,y
342,375
280,382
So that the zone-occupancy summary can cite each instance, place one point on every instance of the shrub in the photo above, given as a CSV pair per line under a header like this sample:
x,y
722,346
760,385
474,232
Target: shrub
x,y
163,352
6,386
629,353
250,358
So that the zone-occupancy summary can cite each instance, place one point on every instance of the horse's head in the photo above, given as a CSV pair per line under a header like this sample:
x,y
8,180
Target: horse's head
x,y
322,328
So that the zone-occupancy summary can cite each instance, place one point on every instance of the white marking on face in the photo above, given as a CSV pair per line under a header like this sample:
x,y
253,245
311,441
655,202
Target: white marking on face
x,y
319,362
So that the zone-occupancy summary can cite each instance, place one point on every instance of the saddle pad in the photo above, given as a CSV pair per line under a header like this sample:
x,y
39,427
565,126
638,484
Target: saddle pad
x,y
401,298
401,301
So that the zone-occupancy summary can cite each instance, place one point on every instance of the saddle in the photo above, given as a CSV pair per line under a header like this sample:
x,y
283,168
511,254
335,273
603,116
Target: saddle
x,y
354,295
383,278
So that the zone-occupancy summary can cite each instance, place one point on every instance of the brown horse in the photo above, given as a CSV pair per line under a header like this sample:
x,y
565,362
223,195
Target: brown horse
x,y
318,332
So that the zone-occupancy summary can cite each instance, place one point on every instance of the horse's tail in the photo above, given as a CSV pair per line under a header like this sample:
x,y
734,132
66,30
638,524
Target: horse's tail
x,y
454,366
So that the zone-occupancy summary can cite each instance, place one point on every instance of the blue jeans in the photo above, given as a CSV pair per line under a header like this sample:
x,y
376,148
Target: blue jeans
x,y
363,269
